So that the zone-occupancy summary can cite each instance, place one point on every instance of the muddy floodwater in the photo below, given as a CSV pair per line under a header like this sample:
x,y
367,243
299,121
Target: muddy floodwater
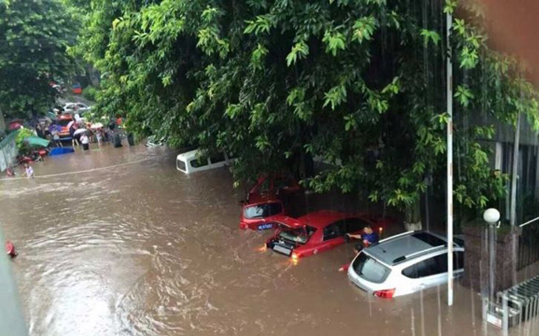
x,y
118,242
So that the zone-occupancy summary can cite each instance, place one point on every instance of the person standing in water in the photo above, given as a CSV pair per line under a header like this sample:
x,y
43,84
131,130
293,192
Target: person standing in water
x,y
85,141
28,171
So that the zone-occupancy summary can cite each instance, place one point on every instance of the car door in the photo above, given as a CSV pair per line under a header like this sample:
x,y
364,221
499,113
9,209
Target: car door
x,y
333,235
432,271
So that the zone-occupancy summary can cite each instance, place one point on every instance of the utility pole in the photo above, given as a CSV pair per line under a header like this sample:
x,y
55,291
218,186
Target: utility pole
x,y
449,19
514,174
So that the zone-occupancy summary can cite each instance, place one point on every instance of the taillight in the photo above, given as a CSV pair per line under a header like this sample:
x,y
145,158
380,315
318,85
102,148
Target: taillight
x,y
385,294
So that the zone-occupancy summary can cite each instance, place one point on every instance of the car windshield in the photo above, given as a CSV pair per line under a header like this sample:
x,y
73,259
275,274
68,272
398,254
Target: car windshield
x,y
370,269
299,235
262,210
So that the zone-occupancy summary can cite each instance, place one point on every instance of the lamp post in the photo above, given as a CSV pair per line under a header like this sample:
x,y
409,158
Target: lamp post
x,y
449,75
492,217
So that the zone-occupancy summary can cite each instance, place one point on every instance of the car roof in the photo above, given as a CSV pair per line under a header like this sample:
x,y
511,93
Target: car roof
x,y
262,198
188,155
319,219
405,247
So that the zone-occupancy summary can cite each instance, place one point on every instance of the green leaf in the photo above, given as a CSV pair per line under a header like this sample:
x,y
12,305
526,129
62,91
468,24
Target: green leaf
x,y
299,51
463,95
334,42
335,96
450,6
430,35
364,29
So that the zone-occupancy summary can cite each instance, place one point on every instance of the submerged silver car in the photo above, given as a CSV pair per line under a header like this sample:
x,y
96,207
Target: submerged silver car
x,y
405,263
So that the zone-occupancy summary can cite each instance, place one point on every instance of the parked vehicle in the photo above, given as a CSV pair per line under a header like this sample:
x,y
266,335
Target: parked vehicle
x,y
79,107
265,200
152,141
319,231
192,161
273,185
405,264
76,88
64,121
259,214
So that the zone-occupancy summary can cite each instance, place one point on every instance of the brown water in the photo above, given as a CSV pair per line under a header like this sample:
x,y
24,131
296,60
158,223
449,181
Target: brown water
x,y
130,246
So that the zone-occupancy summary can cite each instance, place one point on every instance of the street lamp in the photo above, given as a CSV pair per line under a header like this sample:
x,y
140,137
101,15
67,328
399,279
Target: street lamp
x,y
491,216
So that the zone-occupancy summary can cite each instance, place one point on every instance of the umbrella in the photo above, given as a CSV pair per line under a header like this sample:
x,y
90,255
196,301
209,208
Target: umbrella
x,y
56,128
15,124
97,125
79,131
36,141
70,124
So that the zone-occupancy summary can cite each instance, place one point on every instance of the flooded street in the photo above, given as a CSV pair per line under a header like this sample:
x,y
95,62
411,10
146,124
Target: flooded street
x,y
118,242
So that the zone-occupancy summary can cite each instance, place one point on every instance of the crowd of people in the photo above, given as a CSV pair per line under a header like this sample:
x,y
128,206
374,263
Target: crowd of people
x,y
72,128
52,130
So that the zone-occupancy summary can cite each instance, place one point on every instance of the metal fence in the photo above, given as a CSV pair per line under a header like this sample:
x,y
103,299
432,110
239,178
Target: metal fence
x,y
528,244
8,151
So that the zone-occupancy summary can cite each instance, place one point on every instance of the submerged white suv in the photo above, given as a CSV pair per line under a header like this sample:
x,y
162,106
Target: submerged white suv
x,y
405,263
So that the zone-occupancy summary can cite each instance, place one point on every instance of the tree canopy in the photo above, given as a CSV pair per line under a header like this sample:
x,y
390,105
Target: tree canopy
x,y
34,40
357,83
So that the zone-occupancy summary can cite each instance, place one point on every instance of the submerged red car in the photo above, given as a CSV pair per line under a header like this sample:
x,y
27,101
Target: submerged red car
x,y
265,200
319,231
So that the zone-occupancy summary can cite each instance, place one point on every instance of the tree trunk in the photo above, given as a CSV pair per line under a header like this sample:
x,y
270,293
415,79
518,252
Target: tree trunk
x,y
412,220
2,122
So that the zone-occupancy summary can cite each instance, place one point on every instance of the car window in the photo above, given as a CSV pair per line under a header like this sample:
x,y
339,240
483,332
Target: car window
x,y
434,266
369,269
218,157
355,224
200,162
334,230
281,182
262,210
458,260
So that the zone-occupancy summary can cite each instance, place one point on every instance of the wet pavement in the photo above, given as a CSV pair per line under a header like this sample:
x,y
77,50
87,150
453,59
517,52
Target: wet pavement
x,y
117,242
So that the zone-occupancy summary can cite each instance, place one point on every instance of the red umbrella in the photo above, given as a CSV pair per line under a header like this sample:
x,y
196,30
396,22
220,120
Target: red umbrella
x,y
15,125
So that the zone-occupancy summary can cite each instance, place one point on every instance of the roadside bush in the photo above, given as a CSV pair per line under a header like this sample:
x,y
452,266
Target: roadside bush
x,y
89,93
22,134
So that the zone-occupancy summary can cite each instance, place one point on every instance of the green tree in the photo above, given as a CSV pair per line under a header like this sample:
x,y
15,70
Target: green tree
x,y
34,39
360,84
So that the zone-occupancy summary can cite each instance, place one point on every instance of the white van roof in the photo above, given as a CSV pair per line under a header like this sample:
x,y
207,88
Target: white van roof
x,y
188,155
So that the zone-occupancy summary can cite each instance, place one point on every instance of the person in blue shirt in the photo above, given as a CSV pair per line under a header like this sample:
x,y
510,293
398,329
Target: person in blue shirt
x,y
368,238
